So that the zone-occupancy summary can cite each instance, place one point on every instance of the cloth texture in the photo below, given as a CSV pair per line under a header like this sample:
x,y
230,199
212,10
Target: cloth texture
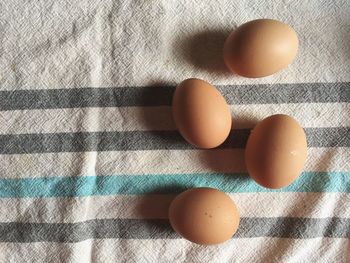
x,y
90,157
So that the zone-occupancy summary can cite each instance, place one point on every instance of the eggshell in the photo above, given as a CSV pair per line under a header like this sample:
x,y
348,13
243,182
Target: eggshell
x,y
260,48
201,113
204,216
276,151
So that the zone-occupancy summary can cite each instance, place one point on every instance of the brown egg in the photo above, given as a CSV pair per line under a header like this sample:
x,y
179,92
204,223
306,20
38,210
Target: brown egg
x,y
276,151
204,216
201,114
260,48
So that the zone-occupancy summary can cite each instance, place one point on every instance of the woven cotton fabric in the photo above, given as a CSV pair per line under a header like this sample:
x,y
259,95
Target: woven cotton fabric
x,y
89,154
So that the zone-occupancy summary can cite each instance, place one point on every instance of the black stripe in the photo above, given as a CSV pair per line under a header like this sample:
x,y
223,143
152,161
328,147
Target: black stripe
x,y
159,96
283,227
144,140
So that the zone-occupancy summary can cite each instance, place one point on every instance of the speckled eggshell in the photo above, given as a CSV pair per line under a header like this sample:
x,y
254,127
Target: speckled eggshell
x,y
204,216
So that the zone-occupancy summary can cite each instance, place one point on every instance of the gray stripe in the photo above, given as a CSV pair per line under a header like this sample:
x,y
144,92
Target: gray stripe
x,y
328,137
294,227
284,227
144,140
158,96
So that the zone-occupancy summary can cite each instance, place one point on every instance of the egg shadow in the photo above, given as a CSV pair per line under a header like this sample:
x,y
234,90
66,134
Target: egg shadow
x,y
244,121
157,93
204,50
160,229
224,161
156,117
153,208
229,156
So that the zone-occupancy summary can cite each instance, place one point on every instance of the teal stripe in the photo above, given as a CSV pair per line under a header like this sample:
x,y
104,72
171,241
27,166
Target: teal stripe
x,y
169,183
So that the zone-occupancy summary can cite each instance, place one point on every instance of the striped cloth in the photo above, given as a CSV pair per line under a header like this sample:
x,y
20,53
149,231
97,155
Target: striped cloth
x,y
89,155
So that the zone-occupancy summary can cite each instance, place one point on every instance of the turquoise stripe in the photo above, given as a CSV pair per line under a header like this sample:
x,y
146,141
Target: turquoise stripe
x,y
168,183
